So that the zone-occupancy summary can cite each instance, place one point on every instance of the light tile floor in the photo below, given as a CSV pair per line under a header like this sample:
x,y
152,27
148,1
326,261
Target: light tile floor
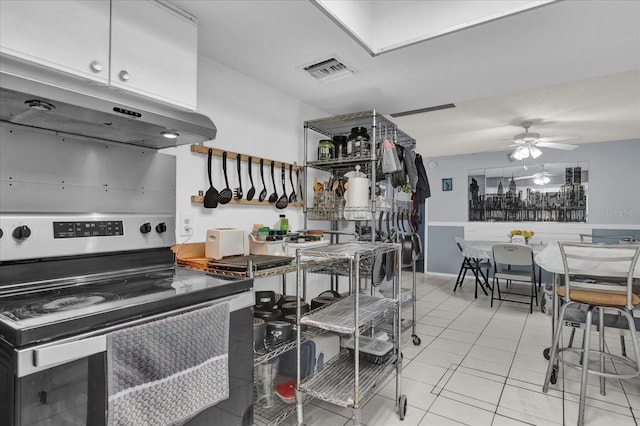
x,y
479,365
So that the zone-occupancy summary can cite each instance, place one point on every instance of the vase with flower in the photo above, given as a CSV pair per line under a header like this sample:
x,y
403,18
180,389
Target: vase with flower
x,y
519,236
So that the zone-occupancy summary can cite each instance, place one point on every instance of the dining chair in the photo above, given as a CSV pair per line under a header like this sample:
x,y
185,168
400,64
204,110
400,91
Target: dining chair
x,y
606,239
505,257
618,297
479,267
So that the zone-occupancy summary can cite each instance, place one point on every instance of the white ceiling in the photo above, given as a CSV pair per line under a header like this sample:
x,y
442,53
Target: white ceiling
x,y
571,67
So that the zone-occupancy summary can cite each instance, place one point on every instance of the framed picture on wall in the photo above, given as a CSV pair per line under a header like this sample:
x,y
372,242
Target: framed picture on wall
x,y
447,184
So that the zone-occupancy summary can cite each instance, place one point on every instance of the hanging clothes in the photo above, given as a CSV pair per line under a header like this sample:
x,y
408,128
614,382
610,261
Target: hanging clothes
x,y
423,191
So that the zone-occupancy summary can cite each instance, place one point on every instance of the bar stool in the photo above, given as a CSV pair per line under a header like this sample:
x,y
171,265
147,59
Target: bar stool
x,y
597,261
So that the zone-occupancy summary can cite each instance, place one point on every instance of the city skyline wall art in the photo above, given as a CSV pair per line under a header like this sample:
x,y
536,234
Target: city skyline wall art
x,y
552,192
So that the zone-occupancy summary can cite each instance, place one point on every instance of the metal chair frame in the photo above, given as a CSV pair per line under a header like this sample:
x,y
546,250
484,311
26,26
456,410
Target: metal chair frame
x,y
476,266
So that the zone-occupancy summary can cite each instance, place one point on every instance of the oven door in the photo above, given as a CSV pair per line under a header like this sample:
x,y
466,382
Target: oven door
x,y
64,382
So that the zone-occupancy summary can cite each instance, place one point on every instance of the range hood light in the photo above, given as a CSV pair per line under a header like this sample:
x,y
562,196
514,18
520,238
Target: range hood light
x,y
170,135
38,105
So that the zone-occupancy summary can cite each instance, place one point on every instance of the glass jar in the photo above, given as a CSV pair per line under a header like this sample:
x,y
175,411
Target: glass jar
x,y
351,142
325,149
340,144
365,142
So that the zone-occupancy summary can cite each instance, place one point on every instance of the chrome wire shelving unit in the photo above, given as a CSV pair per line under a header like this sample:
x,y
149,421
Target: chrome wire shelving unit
x,y
348,380
333,209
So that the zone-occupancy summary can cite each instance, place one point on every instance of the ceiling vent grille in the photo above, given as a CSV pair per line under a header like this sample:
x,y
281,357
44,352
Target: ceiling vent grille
x,y
328,70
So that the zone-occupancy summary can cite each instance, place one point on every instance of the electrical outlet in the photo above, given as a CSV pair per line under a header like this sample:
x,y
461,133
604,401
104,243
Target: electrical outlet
x,y
186,225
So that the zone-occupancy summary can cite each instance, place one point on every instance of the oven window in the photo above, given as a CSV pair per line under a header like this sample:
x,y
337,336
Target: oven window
x,y
69,394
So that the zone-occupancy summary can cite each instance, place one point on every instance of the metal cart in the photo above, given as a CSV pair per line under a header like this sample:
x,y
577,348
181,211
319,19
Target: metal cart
x,y
347,380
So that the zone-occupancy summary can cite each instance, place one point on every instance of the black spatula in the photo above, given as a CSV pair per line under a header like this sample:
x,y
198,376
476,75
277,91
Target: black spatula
x,y
226,194
211,196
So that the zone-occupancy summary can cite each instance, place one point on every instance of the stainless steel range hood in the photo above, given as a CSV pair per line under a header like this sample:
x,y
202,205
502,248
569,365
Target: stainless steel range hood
x,y
100,113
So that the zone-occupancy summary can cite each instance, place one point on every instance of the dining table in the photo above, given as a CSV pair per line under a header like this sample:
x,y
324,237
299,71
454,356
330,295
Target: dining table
x,y
478,249
550,259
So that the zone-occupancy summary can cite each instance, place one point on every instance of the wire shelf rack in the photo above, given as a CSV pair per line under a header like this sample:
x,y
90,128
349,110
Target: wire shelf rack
x,y
342,124
350,250
276,414
339,316
335,382
273,351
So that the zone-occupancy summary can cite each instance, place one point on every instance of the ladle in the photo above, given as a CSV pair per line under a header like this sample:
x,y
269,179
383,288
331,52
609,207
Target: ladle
x,y
273,197
211,196
252,190
292,197
284,200
225,194
263,193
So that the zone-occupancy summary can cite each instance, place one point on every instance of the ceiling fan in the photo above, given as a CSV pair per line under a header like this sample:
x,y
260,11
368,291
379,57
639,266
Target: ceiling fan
x,y
528,144
541,178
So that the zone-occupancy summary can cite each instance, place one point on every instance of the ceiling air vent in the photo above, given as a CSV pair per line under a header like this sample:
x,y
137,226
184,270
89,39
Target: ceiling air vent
x,y
328,70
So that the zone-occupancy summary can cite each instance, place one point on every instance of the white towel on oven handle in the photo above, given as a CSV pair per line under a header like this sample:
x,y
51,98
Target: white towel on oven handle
x,y
166,371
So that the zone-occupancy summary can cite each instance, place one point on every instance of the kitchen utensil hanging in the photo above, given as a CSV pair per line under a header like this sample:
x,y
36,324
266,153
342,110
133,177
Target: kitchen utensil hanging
x,y
292,197
284,200
225,195
273,197
263,193
252,190
238,193
300,186
211,196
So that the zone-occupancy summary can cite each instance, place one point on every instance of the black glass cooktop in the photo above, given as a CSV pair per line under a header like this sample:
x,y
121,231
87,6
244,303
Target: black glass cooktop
x,y
49,310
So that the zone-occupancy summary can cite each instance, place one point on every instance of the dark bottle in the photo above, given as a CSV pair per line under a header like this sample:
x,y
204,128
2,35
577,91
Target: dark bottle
x,y
365,142
351,143
340,144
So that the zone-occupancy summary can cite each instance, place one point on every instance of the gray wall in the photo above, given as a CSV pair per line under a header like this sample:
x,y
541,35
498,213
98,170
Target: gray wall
x,y
614,180
613,194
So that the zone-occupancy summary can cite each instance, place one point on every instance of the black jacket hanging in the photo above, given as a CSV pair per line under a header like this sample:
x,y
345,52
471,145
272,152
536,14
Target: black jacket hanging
x,y
423,191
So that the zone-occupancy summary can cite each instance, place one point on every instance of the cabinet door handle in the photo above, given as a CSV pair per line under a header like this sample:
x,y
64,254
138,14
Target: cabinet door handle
x,y
124,75
96,66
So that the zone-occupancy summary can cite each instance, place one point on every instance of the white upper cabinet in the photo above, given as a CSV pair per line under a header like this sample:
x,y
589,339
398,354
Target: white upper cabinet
x,y
71,35
154,52
145,47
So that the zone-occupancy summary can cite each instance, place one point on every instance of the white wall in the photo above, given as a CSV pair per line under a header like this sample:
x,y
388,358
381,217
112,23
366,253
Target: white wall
x,y
252,119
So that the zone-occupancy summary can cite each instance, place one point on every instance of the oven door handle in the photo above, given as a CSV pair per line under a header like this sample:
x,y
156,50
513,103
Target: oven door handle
x,y
70,351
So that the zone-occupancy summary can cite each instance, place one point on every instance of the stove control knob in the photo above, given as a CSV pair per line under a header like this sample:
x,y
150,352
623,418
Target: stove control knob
x,y
145,228
161,227
21,232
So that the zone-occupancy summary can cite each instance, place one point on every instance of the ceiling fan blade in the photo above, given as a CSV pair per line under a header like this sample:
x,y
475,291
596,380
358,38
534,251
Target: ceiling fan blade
x,y
553,145
558,138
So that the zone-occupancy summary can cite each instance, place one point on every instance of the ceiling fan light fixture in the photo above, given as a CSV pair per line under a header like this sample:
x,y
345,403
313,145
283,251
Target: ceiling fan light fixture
x,y
535,152
521,153
541,180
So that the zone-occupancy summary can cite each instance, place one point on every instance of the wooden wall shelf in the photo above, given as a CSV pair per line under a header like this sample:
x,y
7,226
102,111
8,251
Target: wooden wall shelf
x,y
254,202
231,155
